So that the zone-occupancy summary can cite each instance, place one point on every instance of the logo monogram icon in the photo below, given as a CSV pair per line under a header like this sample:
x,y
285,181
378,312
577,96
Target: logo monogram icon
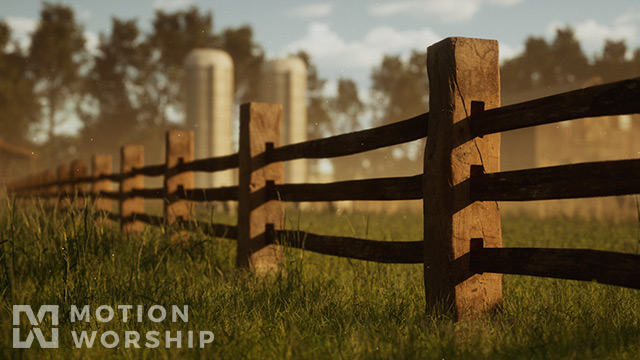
x,y
24,344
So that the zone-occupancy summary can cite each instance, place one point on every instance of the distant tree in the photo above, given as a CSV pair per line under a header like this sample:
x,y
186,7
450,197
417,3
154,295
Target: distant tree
x,y
172,37
570,62
18,102
612,64
318,119
346,108
115,86
56,57
400,88
247,58
532,69
544,65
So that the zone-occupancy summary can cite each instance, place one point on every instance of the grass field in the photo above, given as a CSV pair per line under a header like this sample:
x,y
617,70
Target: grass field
x,y
318,307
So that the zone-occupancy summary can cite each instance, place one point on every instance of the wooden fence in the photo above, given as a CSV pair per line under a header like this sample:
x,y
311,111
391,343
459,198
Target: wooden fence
x,y
461,185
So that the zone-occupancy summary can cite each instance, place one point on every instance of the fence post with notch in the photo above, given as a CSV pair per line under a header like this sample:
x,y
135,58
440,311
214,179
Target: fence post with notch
x,y
463,78
260,129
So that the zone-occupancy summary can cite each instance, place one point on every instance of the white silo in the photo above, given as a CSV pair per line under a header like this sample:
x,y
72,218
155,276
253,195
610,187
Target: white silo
x,y
285,82
209,108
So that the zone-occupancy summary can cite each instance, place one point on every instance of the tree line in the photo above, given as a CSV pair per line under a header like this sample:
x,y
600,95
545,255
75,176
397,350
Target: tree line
x,y
130,88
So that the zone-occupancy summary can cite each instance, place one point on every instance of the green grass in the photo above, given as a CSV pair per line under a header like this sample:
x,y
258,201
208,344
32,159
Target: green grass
x,y
319,306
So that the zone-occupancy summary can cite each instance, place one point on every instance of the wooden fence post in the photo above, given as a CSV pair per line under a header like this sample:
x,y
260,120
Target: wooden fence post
x,y
259,124
101,165
179,150
131,157
63,173
79,170
51,190
462,73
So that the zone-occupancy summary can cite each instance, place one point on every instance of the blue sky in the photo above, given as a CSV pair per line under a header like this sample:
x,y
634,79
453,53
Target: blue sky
x,y
347,38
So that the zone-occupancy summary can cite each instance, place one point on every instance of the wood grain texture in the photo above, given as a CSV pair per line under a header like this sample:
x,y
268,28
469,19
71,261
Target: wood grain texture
x,y
606,178
396,188
179,150
406,252
575,264
356,142
211,194
615,98
79,170
101,165
210,164
461,71
131,156
259,124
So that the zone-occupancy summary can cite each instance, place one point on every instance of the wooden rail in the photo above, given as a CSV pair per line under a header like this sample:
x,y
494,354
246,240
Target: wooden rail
x,y
461,271
356,142
616,98
395,188
575,264
405,252
605,178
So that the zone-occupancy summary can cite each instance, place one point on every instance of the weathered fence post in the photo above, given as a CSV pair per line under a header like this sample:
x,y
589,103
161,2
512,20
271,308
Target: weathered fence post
x,y
179,150
51,190
101,165
461,71
63,173
79,170
131,157
259,124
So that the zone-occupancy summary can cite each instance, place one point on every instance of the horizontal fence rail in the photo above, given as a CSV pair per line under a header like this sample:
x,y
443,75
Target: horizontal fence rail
x,y
355,142
395,188
210,194
451,158
149,170
574,264
397,252
208,165
606,178
616,98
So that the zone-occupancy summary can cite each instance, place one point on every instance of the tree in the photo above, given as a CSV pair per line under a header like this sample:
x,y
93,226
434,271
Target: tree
x,y
399,91
532,69
544,65
346,108
400,88
56,57
247,59
570,63
115,85
18,101
612,64
172,38
318,119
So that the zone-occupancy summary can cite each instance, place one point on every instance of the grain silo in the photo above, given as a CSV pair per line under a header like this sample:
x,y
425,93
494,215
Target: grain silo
x,y
285,82
209,107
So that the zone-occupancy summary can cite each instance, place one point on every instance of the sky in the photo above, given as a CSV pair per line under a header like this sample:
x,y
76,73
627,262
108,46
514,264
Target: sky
x,y
348,38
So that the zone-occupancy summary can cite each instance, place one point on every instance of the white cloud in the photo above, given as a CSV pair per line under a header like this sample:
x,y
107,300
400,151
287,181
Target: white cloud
x,y
91,42
171,5
507,51
21,29
337,57
310,11
593,34
328,49
445,10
